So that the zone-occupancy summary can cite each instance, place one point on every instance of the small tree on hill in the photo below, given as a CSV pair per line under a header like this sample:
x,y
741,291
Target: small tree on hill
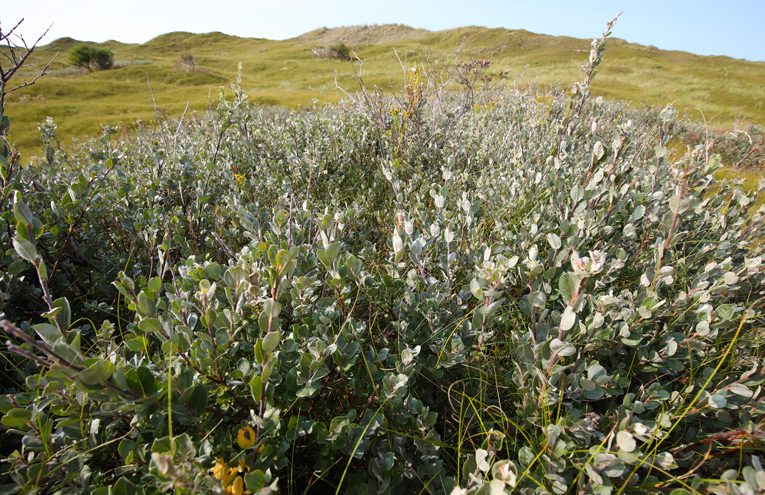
x,y
341,50
79,56
87,57
103,58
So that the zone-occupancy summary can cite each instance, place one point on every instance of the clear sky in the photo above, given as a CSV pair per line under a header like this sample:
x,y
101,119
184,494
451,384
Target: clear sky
x,y
734,27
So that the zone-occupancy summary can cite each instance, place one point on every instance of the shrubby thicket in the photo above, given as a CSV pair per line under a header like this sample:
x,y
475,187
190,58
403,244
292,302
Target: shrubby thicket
x,y
446,292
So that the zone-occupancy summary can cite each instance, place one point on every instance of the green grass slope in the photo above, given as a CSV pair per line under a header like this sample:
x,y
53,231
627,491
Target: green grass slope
x,y
722,90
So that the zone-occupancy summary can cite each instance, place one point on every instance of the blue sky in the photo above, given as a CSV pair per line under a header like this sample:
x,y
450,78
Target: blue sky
x,y
734,27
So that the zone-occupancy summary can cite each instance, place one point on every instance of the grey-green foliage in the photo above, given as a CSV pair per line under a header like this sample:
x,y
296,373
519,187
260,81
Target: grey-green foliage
x,y
536,297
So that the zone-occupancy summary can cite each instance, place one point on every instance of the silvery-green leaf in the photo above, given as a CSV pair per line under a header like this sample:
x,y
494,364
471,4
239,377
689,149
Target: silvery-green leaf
x,y
679,205
533,252
625,442
717,401
416,247
638,213
21,211
725,311
562,348
577,193
398,244
475,288
554,241
598,151
740,389
271,340
568,319
25,249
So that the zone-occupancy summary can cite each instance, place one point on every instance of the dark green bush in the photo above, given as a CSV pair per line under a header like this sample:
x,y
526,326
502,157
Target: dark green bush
x,y
80,56
90,57
103,58
341,51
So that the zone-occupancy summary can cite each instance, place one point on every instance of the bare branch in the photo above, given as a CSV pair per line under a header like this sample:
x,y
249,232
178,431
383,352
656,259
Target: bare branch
x,y
38,76
7,35
17,56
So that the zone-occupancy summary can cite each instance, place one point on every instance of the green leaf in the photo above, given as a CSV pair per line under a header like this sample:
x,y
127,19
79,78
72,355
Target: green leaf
x,y
740,389
554,241
155,285
42,270
126,447
478,318
598,151
725,311
21,211
17,267
563,349
96,375
146,304
271,308
48,333
475,288
270,341
183,447
198,400
141,381
64,316
150,325
256,387
717,401
679,205
16,418
568,319
26,249
625,442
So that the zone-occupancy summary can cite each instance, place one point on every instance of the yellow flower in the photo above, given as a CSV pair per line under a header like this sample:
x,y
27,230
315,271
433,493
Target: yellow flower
x,y
245,438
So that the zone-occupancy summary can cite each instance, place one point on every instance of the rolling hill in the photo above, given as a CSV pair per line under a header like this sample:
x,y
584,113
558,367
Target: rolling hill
x,y
723,91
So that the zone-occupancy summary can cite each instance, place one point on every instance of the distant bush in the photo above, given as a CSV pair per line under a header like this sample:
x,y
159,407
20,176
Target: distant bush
x,y
742,148
187,62
103,58
341,50
338,50
80,56
90,57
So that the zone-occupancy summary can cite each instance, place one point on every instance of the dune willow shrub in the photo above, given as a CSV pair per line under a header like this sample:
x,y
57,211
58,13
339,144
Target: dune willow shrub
x,y
91,57
539,297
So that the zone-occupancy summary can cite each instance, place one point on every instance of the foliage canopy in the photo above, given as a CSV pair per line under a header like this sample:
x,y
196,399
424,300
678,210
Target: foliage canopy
x,y
91,57
472,291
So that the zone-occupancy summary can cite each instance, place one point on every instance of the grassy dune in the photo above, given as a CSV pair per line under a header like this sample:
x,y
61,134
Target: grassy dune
x,y
724,91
